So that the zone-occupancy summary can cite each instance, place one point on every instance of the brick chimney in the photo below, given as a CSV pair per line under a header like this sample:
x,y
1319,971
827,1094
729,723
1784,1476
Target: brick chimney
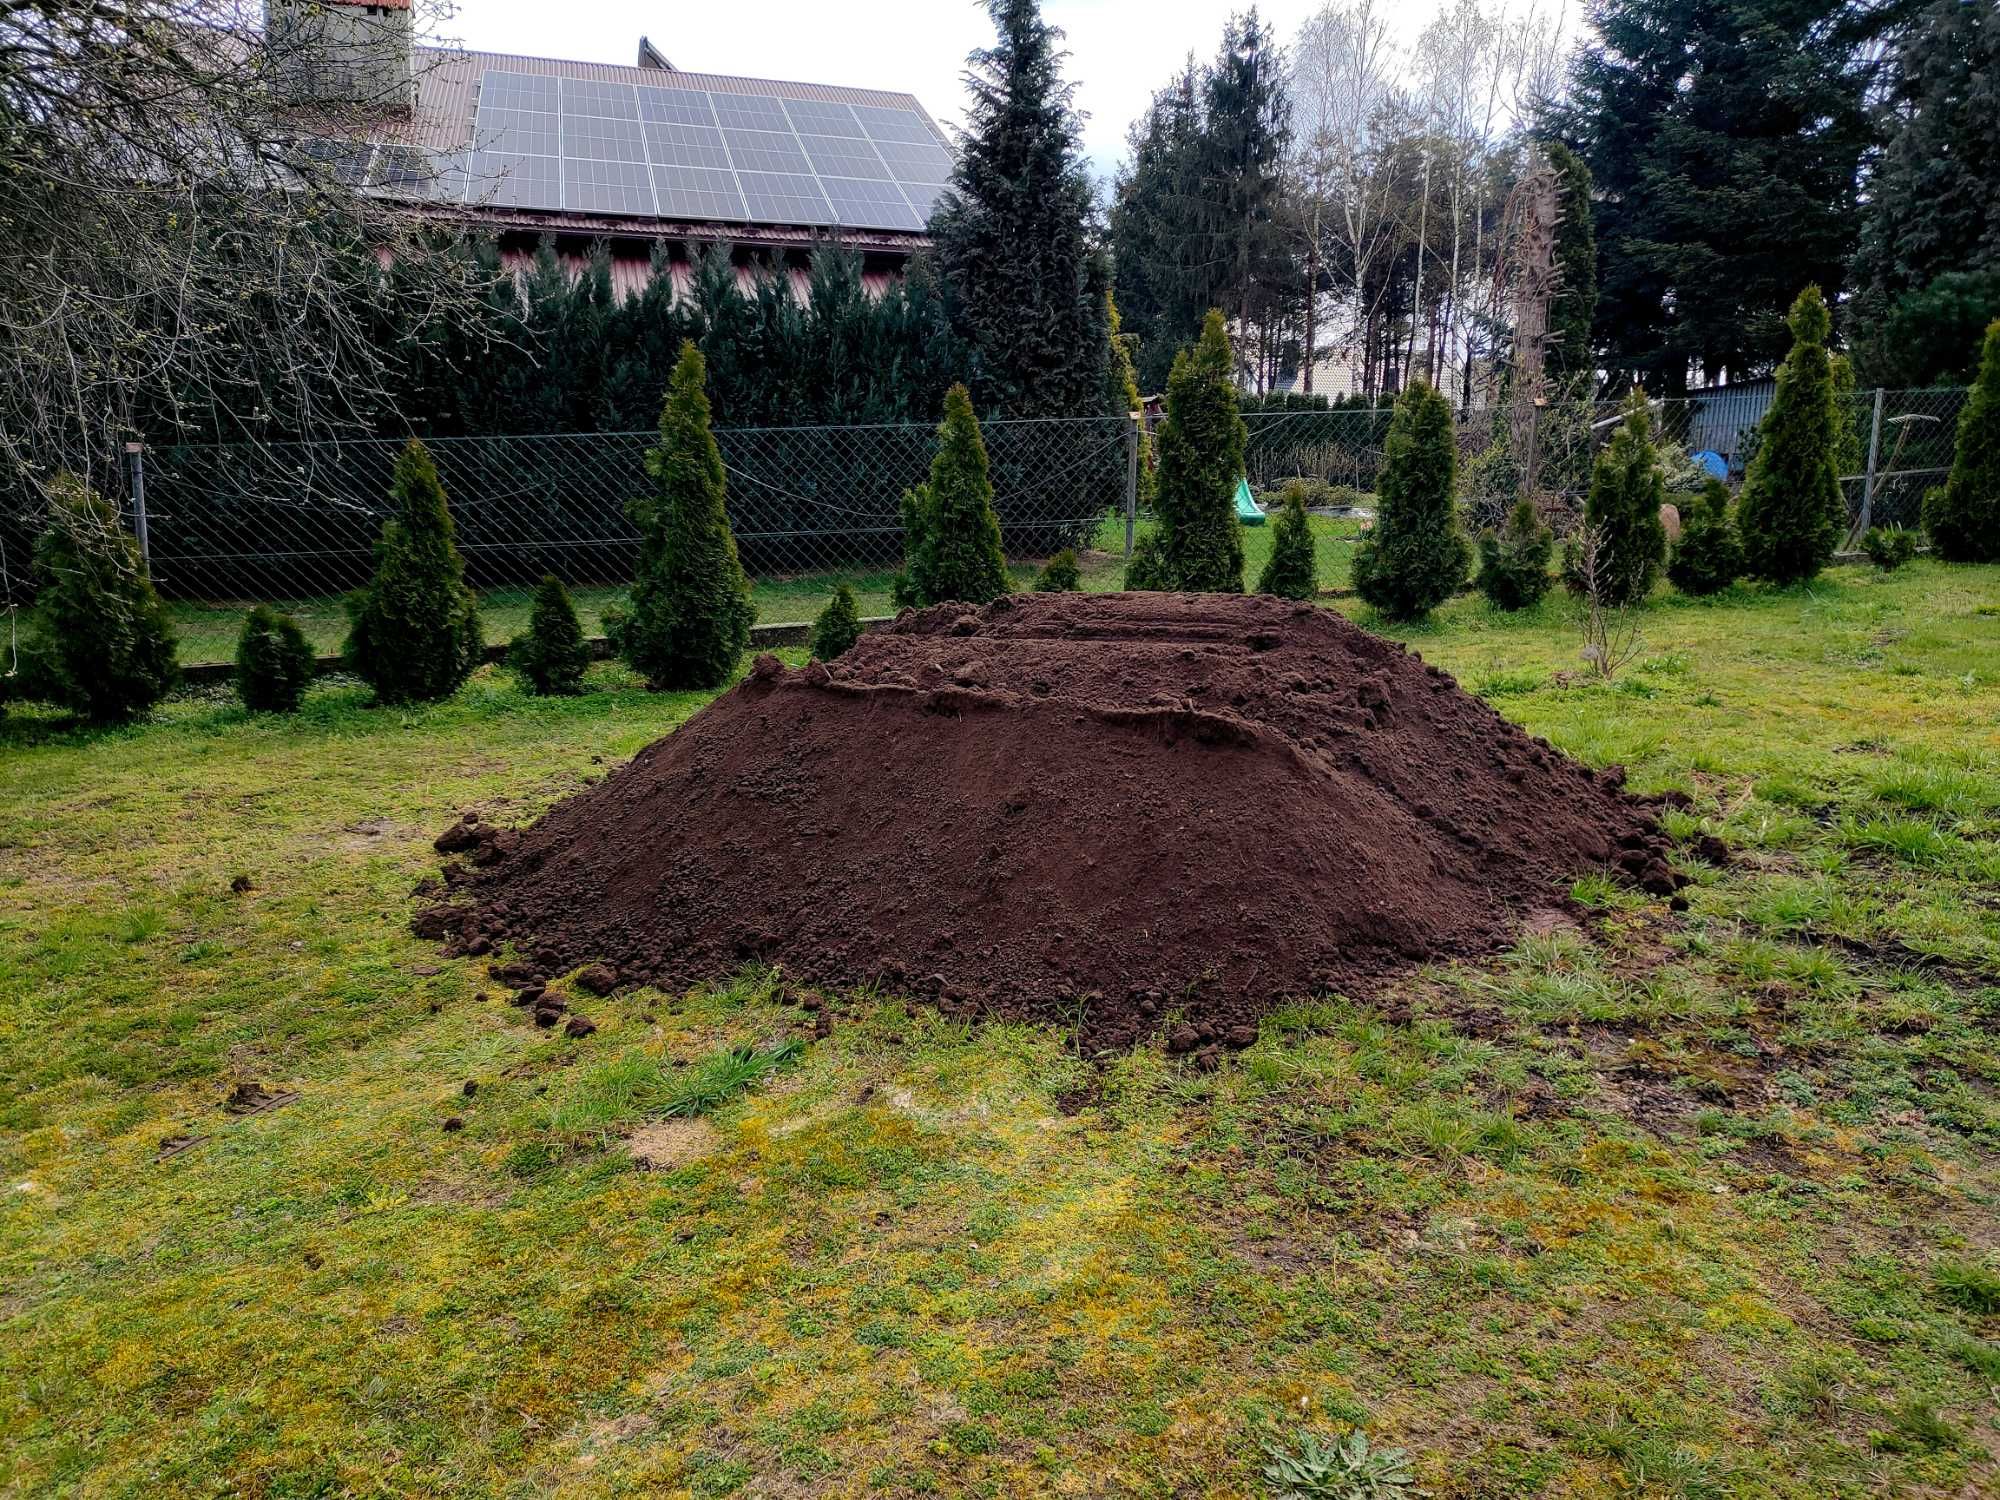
x,y
344,55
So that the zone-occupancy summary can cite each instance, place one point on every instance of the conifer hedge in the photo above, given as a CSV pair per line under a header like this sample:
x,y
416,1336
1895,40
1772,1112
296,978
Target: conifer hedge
x,y
274,662
1200,545
1291,572
1627,488
838,626
1708,557
1059,575
552,655
1791,514
951,536
1416,556
1514,561
690,614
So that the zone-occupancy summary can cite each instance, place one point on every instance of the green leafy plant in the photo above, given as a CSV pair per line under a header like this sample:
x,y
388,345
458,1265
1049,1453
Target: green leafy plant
x,y
838,626
1292,572
1963,518
99,642
1791,512
1314,1467
414,632
1199,543
1627,489
1708,557
1969,1284
1889,547
552,655
274,662
1059,574
721,1076
951,536
1514,561
691,614
1416,556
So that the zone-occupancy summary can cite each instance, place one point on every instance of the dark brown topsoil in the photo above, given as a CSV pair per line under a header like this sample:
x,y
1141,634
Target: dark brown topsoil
x,y
1107,809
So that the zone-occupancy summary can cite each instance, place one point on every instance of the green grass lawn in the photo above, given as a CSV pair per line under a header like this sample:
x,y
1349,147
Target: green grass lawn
x,y
208,628
1693,1205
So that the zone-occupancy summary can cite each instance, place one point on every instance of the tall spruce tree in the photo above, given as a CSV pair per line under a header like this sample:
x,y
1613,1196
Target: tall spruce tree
x,y
1200,544
691,612
1012,234
1165,284
1725,154
1963,518
1929,262
951,536
1628,485
1574,309
1791,511
1416,556
413,631
1246,129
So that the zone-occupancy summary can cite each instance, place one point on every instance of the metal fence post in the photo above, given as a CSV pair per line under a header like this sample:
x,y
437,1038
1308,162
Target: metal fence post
x,y
1868,479
1132,478
135,454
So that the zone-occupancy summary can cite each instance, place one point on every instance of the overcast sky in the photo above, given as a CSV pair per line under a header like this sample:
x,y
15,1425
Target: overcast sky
x,y
1120,50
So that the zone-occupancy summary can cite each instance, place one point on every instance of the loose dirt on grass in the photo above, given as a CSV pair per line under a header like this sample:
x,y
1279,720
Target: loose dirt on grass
x,y
1123,812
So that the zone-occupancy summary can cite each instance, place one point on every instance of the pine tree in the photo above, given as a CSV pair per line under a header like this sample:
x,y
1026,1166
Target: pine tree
x,y
274,662
1201,459
1416,557
414,633
691,613
1012,234
1963,518
838,626
552,655
1291,572
1791,511
1708,557
951,535
1627,489
99,641
1059,574
1514,561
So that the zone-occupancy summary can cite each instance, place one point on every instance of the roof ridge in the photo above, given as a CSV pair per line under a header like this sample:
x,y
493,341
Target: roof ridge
x,y
655,78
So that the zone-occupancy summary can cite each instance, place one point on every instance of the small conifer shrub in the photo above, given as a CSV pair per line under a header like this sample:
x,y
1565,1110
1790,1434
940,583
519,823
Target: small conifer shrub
x,y
1514,561
951,536
1963,518
1889,547
1416,556
1708,557
1059,574
552,655
1791,512
99,641
1291,572
690,614
413,631
1627,488
1200,449
274,662
838,626
1146,568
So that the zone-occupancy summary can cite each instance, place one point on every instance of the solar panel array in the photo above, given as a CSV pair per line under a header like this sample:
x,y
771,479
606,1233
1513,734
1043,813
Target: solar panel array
x,y
581,145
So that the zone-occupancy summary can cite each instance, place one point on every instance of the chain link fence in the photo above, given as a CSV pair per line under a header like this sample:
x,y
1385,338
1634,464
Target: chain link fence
x,y
294,524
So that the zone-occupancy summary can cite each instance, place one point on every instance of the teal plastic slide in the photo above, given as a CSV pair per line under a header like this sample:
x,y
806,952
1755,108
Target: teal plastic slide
x,y
1246,508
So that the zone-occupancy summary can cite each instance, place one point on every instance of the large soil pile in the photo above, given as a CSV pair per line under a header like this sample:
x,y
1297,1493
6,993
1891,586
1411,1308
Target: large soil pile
x,y
1123,807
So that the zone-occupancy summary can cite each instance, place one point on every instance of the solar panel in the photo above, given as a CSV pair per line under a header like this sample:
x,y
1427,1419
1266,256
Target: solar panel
x,y
588,145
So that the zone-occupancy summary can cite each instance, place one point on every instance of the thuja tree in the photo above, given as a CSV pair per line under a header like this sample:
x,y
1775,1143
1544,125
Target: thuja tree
x,y
691,613
951,537
274,662
1963,518
552,655
1416,556
1291,572
1790,513
838,626
1627,488
414,632
1199,544
1060,574
98,638
1708,557
1514,561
